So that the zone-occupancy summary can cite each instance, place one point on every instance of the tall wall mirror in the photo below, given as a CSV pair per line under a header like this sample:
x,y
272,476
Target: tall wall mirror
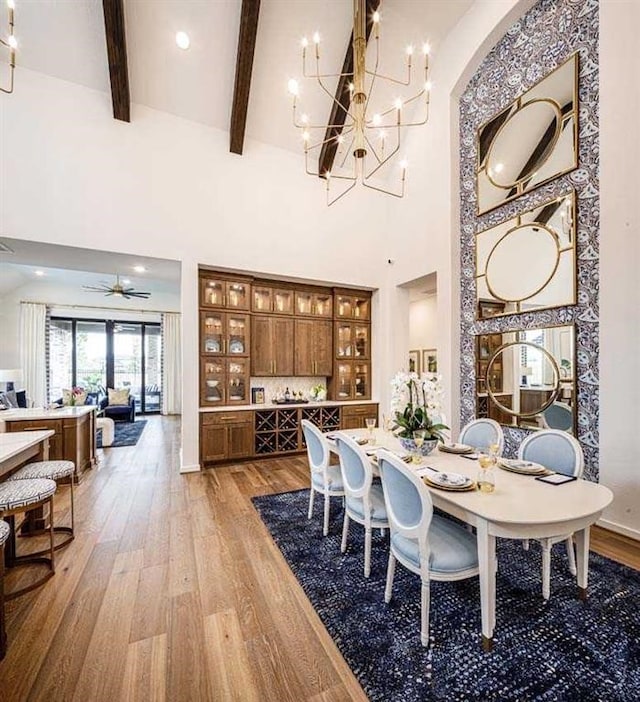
x,y
527,378
528,262
531,141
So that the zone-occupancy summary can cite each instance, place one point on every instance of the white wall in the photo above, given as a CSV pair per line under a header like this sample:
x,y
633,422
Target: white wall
x,y
620,261
423,323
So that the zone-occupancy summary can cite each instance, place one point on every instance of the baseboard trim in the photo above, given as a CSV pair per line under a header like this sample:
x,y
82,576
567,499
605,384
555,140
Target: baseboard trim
x,y
619,529
195,468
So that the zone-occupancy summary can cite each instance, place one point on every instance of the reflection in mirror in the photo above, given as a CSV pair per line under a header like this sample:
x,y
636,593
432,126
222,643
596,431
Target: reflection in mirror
x,y
531,141
526,378
528,262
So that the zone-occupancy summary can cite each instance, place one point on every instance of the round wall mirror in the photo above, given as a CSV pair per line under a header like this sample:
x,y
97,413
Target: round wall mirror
x,y
522,262
523,143
536,385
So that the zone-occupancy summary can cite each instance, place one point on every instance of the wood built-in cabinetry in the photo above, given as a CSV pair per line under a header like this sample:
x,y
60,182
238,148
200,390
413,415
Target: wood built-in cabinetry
x,y
271,345
231,435
313,347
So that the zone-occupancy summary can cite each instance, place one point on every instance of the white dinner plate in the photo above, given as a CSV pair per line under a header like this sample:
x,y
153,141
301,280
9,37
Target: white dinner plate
x,y
449,480
518,466
455,448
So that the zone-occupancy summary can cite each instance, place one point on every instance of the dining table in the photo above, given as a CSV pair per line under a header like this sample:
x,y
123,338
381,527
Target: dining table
x,y
520,507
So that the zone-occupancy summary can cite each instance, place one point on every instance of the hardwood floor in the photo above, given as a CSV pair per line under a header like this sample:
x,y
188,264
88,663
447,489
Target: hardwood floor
x,y
173,590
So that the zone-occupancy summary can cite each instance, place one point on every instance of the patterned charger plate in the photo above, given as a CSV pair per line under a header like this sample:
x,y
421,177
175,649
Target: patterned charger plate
x,y
456,448
449,481
522,467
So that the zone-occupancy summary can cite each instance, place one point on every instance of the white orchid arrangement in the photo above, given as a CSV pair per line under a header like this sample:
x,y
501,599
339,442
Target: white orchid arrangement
x,y
416,404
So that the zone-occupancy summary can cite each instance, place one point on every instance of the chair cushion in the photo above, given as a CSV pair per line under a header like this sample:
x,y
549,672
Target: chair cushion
x,y
4,531
118,397
21,493
355,505
334,476
453,548
53,470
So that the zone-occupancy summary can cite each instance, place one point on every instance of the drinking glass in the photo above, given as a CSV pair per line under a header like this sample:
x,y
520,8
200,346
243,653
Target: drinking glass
x,y
371,425
486,475
418,439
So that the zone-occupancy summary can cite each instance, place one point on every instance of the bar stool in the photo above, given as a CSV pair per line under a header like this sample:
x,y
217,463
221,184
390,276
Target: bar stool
x,y
4,535
18,497
51,470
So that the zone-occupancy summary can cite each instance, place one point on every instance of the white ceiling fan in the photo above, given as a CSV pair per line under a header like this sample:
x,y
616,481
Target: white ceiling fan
x,y
117,290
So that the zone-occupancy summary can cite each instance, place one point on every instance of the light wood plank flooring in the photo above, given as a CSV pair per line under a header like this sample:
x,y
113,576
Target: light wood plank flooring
x,y
173,590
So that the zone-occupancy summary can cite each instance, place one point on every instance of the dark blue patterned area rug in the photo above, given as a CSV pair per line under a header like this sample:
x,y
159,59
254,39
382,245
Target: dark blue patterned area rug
x,y
125,433
565,650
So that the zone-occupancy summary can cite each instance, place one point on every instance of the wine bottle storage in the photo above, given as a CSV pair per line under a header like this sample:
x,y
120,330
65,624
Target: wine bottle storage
x,y
288,440
266,421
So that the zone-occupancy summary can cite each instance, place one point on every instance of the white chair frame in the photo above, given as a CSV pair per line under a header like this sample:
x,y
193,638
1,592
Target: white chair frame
x,y
419,532
490,422
321,467
548,542
359,492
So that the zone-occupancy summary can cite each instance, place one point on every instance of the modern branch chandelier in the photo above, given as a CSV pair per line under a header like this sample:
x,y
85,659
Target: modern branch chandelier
x,y
11,44
365,140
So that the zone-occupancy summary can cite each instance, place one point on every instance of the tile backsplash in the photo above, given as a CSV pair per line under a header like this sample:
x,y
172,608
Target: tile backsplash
x,y
275,387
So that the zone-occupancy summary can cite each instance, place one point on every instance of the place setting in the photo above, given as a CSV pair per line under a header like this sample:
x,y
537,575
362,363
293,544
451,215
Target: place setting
x,y
455,482
523,467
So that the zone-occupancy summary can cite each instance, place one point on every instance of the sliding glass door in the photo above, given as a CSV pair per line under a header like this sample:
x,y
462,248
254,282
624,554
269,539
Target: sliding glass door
x,y
99,354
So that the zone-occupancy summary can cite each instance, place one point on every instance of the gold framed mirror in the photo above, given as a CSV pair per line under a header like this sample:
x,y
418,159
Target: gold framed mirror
x,y
530,142
528,262
527,378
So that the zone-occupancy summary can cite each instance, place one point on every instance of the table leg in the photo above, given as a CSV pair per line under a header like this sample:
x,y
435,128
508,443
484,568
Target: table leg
x,y
486,561
582,554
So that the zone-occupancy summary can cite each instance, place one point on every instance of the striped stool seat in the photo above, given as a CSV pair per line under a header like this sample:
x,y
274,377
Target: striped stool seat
x,y
53,470
4,532
18,497
4,535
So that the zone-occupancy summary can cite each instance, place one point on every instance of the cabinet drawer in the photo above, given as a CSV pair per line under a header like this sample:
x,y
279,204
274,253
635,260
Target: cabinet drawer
x,y
359,410
36,425
230,417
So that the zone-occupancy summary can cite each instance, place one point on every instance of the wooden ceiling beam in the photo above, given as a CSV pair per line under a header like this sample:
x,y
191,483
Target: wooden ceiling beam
x,y
117,53
338,114
244,66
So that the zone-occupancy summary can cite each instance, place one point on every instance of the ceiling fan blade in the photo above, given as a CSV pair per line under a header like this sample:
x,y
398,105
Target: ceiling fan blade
x,y
142,295
96,288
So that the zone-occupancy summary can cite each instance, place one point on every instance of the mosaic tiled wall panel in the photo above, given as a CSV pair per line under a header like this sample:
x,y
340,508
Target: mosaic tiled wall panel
x,y
541,40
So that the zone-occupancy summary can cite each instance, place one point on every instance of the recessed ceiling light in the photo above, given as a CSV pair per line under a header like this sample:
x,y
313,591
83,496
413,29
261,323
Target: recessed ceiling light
x,y
40,273
139,269
182,40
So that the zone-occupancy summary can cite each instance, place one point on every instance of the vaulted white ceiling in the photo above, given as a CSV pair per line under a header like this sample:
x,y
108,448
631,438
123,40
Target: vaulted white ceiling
x,y
65,39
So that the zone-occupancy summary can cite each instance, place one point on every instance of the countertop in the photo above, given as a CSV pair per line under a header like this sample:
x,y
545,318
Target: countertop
x,y
13,443
20,415
271,405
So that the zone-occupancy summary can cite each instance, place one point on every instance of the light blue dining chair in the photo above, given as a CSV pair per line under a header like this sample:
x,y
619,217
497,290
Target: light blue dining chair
x,y
433,547
558,416
325,479
364,501
560,452
481,433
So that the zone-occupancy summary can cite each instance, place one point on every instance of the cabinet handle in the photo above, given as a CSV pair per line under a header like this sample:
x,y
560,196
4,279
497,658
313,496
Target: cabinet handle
x,y
35,429
227,418
275,367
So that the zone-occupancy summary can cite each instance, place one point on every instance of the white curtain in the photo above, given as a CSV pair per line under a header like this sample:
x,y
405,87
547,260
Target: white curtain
x,y
33,352
171,364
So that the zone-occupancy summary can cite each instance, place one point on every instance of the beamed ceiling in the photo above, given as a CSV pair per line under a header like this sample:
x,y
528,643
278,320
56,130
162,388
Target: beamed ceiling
x,y
127,48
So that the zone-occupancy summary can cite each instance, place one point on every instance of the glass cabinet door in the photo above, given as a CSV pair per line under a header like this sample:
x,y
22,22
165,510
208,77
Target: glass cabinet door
x,y
212,332
344,306
237,296
361,345
238,380
361,307
344,381
213,381
344,339
361,374
237,341
323,304
262,299
212,292
283,301
304,302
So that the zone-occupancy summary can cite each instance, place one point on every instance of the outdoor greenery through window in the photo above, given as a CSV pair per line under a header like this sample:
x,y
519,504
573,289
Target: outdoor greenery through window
x,y
98,354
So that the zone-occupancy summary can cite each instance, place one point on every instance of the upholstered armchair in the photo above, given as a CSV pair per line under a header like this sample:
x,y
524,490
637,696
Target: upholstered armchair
x,y
117,408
